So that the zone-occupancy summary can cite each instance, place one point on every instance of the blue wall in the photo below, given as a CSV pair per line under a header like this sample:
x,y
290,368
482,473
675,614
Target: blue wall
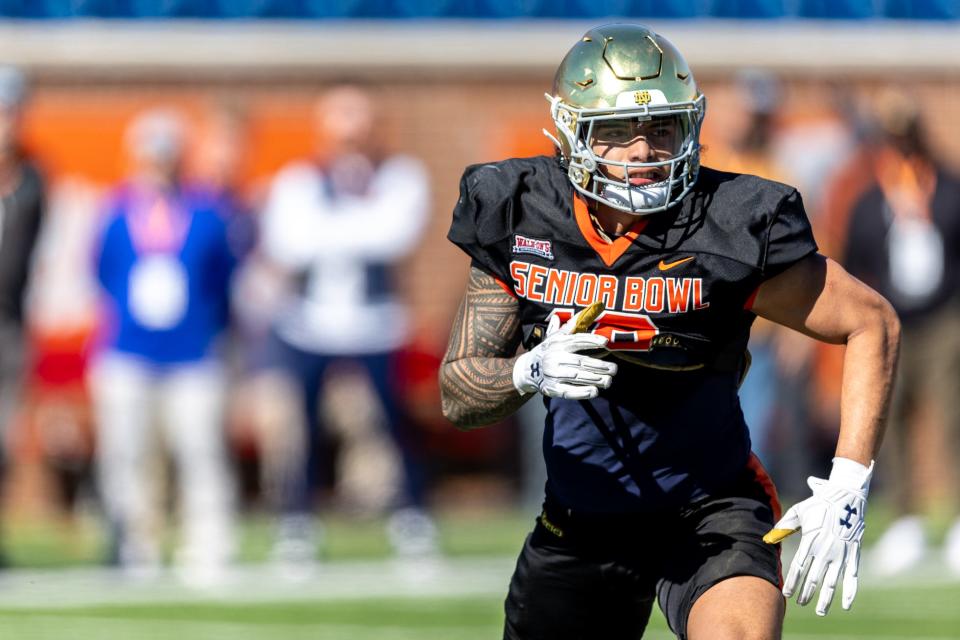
x,y
403,9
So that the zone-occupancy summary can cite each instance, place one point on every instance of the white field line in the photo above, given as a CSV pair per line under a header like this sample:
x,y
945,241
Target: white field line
x,y
448,577
40,627
334,581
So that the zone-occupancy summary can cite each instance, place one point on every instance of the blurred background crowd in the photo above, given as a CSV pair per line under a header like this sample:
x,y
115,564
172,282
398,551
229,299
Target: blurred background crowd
x,y
225,290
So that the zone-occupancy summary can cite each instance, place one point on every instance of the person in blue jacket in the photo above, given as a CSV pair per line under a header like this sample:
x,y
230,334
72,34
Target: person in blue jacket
x,y
164,264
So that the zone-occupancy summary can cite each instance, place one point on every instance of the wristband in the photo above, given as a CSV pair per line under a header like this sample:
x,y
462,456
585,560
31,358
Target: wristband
x,y
851,475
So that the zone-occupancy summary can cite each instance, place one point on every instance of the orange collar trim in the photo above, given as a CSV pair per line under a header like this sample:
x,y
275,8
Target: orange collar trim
x,y
609,252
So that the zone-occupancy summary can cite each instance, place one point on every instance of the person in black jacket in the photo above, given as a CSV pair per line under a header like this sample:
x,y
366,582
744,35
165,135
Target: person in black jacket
x,y
903,239
21,208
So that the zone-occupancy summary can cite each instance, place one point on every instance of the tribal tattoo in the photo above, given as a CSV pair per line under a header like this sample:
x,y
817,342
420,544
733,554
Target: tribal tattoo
x,y
476,379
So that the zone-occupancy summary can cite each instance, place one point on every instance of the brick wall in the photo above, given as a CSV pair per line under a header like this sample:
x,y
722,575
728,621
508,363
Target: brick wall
x,y
447,121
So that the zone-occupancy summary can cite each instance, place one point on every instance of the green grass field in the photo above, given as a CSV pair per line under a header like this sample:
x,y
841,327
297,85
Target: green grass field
x,y
927,612
56,591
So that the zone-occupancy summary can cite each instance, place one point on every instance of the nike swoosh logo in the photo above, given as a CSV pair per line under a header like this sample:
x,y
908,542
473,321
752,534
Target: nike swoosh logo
x,y
664,266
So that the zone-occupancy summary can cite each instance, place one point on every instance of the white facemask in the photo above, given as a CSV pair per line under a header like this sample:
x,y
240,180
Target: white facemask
x,y
645,197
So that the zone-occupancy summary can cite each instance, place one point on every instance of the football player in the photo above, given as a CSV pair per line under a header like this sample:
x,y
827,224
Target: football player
x,y
652,489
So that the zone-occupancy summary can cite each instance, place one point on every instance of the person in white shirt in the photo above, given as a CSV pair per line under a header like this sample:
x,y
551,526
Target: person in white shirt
x,y
338,224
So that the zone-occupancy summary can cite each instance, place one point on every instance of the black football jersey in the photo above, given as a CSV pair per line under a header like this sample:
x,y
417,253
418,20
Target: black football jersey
x,y
677,290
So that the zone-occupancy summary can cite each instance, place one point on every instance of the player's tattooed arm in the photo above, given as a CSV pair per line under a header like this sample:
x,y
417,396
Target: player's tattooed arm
x,y
476,377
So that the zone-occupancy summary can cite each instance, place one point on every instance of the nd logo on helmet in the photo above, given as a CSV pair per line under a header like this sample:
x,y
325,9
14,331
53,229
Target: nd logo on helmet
x,y
641,97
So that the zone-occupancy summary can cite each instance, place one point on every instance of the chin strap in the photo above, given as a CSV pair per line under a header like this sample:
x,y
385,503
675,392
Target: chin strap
x,y
553,138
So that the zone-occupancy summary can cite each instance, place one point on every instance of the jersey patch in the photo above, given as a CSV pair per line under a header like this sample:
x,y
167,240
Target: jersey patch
x,y
542,248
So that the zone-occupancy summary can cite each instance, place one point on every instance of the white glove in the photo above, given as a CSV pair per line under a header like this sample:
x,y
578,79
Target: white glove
x,y
555,369
831,526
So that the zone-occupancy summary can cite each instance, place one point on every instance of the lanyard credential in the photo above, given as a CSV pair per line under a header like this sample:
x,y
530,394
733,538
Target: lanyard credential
x,y
158,223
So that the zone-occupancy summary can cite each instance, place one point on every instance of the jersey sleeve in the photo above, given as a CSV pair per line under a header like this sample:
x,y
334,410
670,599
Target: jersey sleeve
x,y
789,237
481,221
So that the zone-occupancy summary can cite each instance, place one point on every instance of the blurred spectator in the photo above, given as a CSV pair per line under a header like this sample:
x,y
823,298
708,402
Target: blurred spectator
x,y
339,224
21,210
220,151
259,403
753,125
165,265
54,438
903,239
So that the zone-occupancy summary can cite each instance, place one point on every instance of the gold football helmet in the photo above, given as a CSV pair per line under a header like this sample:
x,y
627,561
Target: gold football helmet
x,y
628,74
